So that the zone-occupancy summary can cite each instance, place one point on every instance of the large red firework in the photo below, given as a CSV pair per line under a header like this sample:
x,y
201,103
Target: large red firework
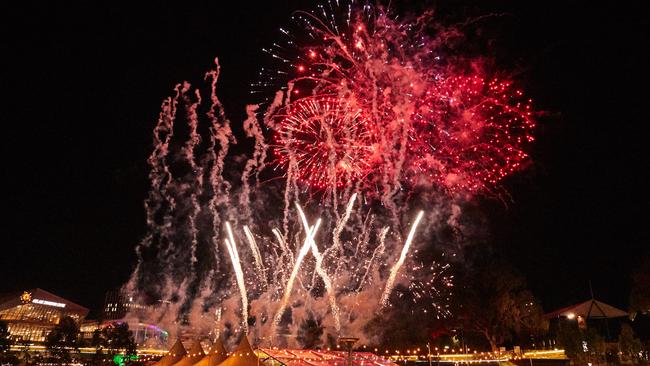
x,y
468,133
430,123
328,142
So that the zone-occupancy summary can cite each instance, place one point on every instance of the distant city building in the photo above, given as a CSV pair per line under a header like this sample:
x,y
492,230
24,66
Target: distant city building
x,y
32,314
121,307
118,304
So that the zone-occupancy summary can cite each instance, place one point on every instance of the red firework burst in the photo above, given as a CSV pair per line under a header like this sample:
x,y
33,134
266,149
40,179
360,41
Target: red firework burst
x,y
431,124
328,141
469,133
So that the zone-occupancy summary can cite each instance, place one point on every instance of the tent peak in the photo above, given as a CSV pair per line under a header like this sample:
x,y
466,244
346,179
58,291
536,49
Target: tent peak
x,y
590,309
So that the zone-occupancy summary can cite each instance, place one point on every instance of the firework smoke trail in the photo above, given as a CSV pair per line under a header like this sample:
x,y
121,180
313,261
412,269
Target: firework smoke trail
x,y
166,189
393,272
286,258
159,175
239,274
294,272
331,296
340,225
378,250
338,229
291,186
220,133
197,171
272,108
252,129
283,243
255,250
160,199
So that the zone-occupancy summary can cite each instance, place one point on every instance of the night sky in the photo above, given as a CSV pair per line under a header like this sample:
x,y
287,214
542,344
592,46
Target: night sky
x,y
83,86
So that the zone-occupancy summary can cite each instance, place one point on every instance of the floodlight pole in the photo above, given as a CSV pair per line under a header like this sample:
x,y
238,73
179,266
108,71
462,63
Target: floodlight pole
x,y
348,342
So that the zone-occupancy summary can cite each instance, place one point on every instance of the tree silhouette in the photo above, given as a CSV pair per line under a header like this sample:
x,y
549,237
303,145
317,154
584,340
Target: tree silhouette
x,y
115,339
629,345
639,295
63,339
582,346
492,299
6,358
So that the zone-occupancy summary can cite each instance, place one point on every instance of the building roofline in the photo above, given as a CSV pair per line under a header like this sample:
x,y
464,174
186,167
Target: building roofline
x,y
11,299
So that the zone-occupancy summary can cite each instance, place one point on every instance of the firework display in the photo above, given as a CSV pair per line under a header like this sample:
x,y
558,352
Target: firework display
x,y
435,122
363,109
468,134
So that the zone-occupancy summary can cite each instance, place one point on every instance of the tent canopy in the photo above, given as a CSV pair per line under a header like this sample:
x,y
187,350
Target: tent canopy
x,y
590,309
242,356
215,356
194,355
176,353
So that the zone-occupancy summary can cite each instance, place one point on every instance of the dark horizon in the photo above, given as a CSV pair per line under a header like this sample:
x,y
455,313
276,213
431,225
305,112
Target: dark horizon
x,y
85,86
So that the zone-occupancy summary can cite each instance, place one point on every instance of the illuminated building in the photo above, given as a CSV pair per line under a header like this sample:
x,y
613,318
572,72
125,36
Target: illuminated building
x,y
121,307
117,305
32,314
144,334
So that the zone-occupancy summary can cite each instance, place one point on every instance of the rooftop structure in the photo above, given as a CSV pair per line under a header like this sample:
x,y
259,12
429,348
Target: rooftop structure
x,y
32,314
